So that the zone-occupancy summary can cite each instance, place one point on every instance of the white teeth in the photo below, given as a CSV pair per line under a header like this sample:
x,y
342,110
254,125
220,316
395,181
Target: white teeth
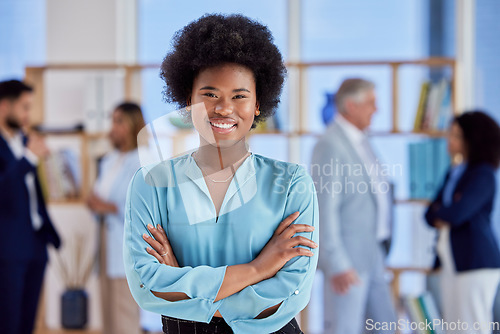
x,y
222,125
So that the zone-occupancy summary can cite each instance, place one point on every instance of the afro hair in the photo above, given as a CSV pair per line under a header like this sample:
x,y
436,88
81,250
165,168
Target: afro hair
x,y
215,39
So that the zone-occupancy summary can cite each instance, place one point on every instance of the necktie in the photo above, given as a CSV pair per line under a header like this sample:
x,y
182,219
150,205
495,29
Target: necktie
x,y
381,188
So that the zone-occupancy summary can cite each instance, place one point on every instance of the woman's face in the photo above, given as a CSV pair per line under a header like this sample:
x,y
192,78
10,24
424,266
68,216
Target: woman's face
x,y
120,133
456,143
224,103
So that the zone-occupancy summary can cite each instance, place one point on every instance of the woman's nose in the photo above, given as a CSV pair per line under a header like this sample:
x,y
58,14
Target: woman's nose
x,y
223,108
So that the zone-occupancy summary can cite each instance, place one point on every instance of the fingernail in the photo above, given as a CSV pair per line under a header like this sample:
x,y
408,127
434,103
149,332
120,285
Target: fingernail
x,y
159,227
150,226
145,236
148,249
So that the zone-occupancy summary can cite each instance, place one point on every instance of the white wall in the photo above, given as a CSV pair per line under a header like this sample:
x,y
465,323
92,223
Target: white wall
x,y
91,31
82,32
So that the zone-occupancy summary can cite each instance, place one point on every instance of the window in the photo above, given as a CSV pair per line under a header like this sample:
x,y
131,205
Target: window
x,y
22,32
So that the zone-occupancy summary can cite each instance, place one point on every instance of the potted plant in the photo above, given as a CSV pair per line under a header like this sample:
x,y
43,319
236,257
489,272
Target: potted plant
x,y
75,268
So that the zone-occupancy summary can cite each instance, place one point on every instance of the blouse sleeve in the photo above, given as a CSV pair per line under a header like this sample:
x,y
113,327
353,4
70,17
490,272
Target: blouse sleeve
x,y
291,286
146,204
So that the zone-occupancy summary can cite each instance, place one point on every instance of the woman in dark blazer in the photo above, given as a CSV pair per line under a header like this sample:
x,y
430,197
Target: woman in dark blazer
x,y
468,254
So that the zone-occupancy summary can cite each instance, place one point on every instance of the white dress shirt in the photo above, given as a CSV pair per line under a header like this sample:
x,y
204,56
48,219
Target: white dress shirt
x,y
19,150
115,172
359,140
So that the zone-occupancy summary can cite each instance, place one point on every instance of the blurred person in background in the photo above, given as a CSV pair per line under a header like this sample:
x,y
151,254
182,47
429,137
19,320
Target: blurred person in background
x,y
468,254
120,312
355,205
24,221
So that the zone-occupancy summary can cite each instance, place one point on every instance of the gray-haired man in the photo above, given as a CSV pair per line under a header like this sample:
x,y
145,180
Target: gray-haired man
x,y
354,206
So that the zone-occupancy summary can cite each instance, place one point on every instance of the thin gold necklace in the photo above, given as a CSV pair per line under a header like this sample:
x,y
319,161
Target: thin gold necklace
x,y
216,181
221,181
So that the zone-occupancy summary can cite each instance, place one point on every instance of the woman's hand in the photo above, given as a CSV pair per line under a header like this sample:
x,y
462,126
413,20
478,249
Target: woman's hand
x,y
161,248
342,282
99,206
439,223
281,247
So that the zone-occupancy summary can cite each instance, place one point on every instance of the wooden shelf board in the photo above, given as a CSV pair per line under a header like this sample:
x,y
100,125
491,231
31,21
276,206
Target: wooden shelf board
x,y
412,201
99,135
409,133
432,61
399,270
66,201
62,133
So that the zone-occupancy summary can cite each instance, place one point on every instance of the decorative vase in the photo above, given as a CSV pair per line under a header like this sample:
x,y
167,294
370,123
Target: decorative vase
x,y
74,309
329,109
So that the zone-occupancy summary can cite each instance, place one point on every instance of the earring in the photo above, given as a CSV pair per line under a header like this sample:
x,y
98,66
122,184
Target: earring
x,y
188,108
257,112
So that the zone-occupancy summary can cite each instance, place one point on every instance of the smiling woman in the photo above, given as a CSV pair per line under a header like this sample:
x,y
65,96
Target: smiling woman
x,y
222,240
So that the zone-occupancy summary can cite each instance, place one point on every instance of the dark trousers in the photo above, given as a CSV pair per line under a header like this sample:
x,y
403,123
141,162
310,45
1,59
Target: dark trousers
x,y
216,326
20,285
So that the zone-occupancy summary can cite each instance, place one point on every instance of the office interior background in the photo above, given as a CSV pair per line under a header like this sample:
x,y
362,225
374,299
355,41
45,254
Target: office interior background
x,y
89,55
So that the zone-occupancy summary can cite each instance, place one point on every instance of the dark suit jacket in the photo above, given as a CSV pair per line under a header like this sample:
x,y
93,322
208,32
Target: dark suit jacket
x,y
18,239
472,240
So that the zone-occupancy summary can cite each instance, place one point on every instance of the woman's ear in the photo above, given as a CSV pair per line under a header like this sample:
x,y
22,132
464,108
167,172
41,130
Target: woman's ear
x,y
4,106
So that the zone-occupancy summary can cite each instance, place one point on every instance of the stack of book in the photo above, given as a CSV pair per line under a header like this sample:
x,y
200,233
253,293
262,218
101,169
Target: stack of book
x,y
434,111
423,314
429,161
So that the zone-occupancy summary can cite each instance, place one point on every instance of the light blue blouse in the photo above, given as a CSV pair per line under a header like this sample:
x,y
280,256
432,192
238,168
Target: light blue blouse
x,y
261,194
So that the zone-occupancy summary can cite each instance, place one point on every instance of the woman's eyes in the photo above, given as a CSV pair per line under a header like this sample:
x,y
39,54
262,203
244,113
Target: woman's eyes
x,y
212,95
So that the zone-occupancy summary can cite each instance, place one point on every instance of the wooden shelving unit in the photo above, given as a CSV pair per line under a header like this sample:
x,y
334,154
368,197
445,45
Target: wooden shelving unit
x,y
132,91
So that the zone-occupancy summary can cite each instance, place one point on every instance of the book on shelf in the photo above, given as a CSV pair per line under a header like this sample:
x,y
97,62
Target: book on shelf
x,y
60,175
415,314
428,163
422,102
423,313
270,124
430,311
434,111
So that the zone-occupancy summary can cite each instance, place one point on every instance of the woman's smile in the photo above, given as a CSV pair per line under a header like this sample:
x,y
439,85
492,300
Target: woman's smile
x,y
223,125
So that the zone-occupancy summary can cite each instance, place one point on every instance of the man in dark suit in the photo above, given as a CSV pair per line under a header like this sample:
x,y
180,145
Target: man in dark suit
x,y
25,226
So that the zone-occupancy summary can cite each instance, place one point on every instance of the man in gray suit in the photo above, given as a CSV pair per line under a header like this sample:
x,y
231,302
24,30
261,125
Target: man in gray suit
x,y
354,211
